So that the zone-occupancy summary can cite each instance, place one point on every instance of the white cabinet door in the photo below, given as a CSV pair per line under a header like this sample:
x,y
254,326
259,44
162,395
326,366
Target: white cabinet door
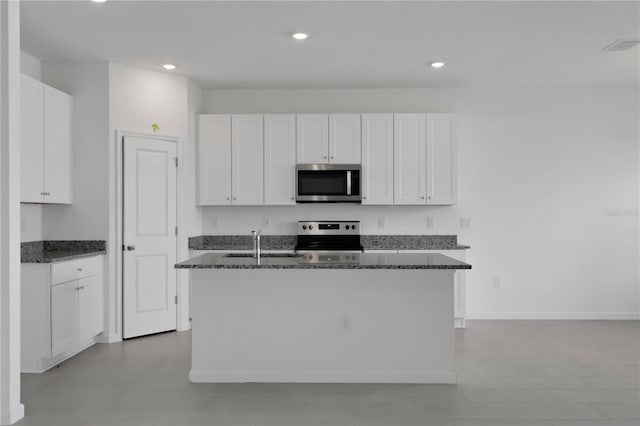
x,y
64,317
344,139
90,307
57,146
247,144
214,160
377,159
409,159
312,138
442,160
279,159
32,141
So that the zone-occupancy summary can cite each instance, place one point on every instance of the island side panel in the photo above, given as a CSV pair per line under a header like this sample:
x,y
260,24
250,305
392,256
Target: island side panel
x,y
341,326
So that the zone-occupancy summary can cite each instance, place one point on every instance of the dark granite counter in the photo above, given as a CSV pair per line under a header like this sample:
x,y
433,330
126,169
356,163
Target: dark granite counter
x,y
58,251
288,242
350,261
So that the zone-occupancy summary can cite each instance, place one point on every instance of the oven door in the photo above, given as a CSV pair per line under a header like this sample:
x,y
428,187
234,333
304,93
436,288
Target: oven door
x,y
328,183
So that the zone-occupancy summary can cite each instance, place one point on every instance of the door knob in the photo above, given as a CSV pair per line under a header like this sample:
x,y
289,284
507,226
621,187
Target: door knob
x,y
131,248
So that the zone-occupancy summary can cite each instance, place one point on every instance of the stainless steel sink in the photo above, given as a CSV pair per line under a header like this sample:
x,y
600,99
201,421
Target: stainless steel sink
x,y
265,255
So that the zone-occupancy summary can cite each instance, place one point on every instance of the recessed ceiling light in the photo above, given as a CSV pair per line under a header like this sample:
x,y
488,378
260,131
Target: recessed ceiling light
x,y
169,67
98,1
437,64
300,36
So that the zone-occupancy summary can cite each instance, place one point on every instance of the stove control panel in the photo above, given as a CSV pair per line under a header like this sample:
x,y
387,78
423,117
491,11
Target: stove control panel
x,y
338,227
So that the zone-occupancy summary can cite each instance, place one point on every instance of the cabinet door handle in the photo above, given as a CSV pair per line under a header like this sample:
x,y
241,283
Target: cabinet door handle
x,y
325,157
422,197
234,198
79,269
228,198
332,157
130,248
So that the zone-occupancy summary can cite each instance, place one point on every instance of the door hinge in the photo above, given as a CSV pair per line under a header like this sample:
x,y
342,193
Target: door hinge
x,y
176,299
176,158
176,230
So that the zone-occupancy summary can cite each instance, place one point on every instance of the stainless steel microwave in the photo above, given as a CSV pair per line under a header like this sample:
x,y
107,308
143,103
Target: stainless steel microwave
x,y
328,183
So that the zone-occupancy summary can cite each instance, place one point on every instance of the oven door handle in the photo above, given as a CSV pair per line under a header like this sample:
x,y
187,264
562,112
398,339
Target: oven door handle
x,y
348,182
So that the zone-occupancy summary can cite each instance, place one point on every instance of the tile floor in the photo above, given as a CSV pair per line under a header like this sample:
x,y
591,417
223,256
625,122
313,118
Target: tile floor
x,y
511,373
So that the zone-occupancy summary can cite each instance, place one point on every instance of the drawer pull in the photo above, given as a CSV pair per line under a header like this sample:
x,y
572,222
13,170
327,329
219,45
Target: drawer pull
x,y
79,269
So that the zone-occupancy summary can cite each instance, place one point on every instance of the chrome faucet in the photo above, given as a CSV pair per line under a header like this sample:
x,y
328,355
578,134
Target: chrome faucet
x,y
256,244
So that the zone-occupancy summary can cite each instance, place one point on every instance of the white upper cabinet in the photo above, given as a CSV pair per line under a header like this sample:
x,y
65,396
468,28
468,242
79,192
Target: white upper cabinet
x,y
230,160
312,138
442,160
377,159
57,146
32,141
214,159
409,159
344,139
279,159
247,159
45,144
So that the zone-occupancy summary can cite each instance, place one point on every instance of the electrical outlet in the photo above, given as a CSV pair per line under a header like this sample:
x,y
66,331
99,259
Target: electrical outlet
x,y
382,222
345,322
497,283
215,222
465,223
266,222
431,222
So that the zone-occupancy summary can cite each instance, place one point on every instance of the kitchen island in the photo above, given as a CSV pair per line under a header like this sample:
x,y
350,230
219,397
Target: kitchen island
x,y
341,318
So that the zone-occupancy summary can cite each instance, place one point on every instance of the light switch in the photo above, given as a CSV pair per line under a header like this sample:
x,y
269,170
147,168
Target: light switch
x,y
465,223
382,222
215,222
431,222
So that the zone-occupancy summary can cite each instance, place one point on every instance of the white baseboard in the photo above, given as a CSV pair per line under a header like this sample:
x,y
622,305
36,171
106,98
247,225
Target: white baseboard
x,y
213,376
108,338
12,415
184,326
554,316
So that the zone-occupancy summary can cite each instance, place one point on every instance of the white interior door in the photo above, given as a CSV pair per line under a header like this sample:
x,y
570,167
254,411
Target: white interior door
x,y
149,236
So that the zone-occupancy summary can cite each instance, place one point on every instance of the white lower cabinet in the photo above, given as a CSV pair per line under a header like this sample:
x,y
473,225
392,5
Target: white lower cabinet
x,y
459,282
62,310
64,317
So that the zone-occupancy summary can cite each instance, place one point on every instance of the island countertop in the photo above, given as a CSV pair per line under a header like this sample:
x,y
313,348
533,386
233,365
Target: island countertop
x,y
324,261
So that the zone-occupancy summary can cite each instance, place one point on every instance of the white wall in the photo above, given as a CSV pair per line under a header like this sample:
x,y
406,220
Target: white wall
x,y
139,98
11,410
30,214
549,178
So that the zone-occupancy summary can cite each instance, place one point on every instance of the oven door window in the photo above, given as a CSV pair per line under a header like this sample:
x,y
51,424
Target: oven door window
x,y
322,182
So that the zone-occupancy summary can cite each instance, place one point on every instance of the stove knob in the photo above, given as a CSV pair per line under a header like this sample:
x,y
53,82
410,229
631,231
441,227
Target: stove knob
x,y
304,227
310,227
346,227
353,227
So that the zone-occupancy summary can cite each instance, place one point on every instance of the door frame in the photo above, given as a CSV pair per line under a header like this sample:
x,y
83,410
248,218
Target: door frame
x,y
182,307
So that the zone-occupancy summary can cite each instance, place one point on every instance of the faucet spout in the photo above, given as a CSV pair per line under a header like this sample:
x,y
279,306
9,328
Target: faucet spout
x,y
256,244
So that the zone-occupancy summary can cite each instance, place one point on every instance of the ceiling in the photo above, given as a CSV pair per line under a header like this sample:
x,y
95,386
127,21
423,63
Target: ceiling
x,y
351,45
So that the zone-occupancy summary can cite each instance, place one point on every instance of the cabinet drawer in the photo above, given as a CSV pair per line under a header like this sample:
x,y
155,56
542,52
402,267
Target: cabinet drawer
x,y
75,269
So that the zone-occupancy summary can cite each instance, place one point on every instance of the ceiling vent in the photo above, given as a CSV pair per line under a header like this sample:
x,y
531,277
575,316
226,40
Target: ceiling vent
x,y
621,45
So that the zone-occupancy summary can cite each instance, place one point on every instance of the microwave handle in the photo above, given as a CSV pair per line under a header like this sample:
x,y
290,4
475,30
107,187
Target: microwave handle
x,y
348,182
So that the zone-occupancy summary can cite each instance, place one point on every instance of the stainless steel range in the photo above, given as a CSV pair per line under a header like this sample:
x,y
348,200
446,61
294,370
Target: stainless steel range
x,y
330,241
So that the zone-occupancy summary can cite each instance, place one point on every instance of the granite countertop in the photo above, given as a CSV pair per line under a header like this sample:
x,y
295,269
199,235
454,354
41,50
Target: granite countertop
x,y
288,242
350,261
58,251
